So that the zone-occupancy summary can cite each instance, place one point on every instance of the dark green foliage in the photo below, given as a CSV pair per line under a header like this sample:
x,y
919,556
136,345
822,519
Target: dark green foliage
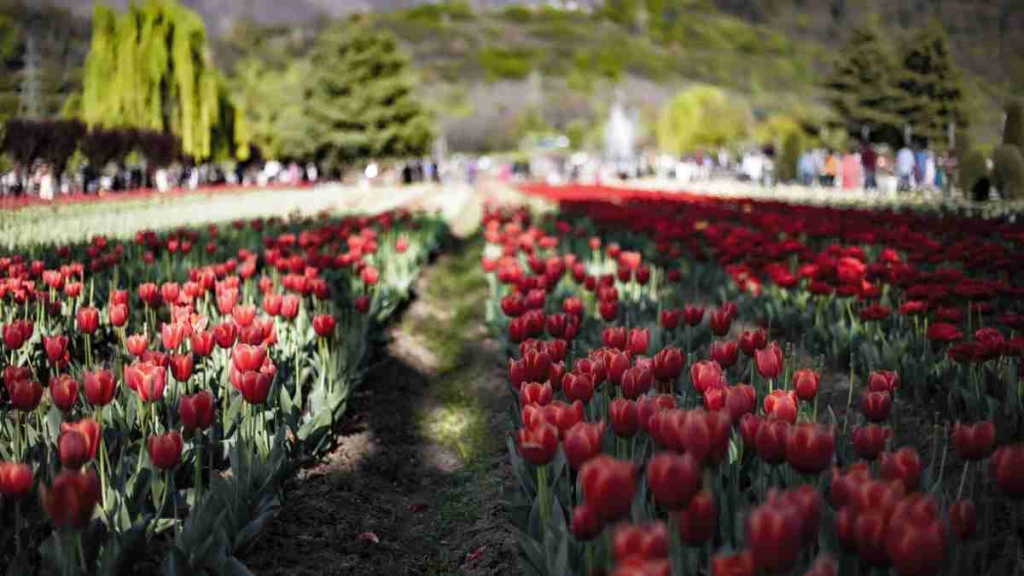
x,y
1008,171
508,63
972,167
862,87
361,102
1013,131
930,95
792,147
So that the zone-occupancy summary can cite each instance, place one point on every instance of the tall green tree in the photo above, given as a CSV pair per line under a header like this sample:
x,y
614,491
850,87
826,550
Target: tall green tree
x,y
361,102
862,87
151,68
930,95
701,117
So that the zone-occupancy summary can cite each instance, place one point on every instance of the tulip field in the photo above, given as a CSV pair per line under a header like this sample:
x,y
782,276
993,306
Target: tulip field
x,y
696,384
158,385
732,387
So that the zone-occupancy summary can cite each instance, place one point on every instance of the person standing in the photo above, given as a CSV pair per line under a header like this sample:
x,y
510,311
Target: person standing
x,y
905,168
831,168
869,161
852,177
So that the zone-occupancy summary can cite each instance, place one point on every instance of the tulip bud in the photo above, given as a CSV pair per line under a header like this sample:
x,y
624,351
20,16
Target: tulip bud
x,y
88,319
782,404
673,479
64,392
1007,468
71,498
582,442
720,322
809,448
869,441
770,532
903,465
165,450
196,411
769,361
771,441
609,486
538,443
693,315
623,415
118,315
55,348
586,524
534,393
805,384
974,441
963,519
696,522
876,406
15,480
725,353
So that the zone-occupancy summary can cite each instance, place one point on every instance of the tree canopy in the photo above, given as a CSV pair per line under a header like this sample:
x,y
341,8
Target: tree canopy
x,y
361,102
150,68
701,117
929,84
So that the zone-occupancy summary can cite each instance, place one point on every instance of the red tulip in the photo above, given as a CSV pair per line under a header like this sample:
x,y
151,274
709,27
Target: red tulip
x,y
823,566
1007,468
290,305
609,311
623,415
170,291
25,394
182,366
202,343
323,325
673,479
915,538
172,334
771,440
876,406
636,382
534,393
614,337
149,294
725,353
696,522
55,348
809,448
99,387
750,426
137,344
226,334
118,315
271,305
903,465
248,358
720,322
573,306
71,499
196,411
13,336
769,361
586,524
370,275
944,333
638,341
253,384
15,480
538,443
88,319
582,442
362,304
805,384
616,364
750,341
79,442
669,319
609,486
739,400
165,450
693,315
869,441
647,542
770,531
243,314
64,392
647,406
706,374
146,379
883,381
974,441
963,519
736,564
782,404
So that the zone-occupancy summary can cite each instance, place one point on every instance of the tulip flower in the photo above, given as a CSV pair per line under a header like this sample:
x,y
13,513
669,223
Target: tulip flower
x,y
693,315
137,344
165,450
769,361
323,325
15,480
609,486
71,499
118,315
750,341
203,343
770,532
538,443
362,304
616,363
172,334
636,382
247,358
1007,469
720,322
640,542
903,465
290,305
13,337
25,394
99,386
883,381
88,319
809,448
736,564
974,441
805,384
197,411
254,385
586,524
724,352
582,442
782,404
623,416
876,406
146,379
869,441
771,441
706,374
55,347
534,393
64,392
673,479
696,522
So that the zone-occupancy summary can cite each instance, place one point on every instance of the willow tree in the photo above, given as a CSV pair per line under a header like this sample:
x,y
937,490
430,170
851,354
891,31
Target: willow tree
x,y
151,68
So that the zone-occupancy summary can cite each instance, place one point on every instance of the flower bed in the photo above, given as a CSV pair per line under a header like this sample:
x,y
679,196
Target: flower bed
x,y
155,389
668,355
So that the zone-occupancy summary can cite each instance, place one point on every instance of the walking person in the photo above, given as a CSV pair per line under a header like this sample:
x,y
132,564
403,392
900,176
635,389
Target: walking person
x,y
905,162
869,161
852,174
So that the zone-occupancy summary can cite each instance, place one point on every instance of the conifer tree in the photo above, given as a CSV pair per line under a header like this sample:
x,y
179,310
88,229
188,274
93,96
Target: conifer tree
x,y
1013,131
362,102
930,96
862,87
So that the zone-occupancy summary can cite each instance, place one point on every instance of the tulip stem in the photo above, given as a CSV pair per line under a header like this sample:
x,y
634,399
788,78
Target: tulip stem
x,y
542,493
88,351
963,479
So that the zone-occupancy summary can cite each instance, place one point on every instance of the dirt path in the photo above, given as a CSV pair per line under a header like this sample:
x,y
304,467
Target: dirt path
x,y
416,484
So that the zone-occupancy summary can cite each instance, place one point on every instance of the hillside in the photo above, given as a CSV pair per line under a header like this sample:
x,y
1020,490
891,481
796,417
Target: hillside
x,y
499,70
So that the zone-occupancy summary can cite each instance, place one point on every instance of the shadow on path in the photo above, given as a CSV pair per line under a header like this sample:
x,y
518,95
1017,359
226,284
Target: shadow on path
x,y
415,485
